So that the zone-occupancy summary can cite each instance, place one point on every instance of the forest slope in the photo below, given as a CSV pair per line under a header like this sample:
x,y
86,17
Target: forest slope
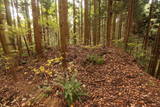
x,y
119,82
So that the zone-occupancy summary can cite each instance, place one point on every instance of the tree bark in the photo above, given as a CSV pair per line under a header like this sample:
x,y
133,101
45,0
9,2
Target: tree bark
x,y
37,27
28,23
120,27
64,28
9,21
155,55
148,27
109,22
99,23
2,36
114,26
8,12
86,23
82,33
74,23
19,38
129,22
95,23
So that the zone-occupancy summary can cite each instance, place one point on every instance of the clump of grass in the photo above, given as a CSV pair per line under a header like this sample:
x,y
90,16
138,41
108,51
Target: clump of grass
x,y
95,59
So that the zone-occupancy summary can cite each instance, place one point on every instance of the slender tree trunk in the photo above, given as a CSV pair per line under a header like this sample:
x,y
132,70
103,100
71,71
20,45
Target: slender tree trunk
x,y
109,22
95,23
25,41
37,27
89,21
29,35
99,23
57,33
19,39
148,27
44,32
82,33
104,30
86,23
114,26
120,27
155,55
47,31
129,22
9,20
74,23
8,12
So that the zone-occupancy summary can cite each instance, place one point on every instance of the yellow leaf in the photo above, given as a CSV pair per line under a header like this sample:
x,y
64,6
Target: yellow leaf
x,y
42,69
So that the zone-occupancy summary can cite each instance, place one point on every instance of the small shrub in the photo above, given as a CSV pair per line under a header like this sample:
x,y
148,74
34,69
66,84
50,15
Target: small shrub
x,y
95,59
72,90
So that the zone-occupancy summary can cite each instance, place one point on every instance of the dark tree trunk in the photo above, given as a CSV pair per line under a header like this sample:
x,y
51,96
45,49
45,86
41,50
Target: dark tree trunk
x,y
155,55
120,27
148,27
86,23
109,22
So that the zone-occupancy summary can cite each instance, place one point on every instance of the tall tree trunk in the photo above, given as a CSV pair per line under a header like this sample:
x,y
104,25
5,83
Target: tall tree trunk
x,y
82,33
37,27
155,55
148,27
64,28
8,12
2,36
90,22
95,22
114,26
86,23
57,33
13,13
104,31
48,31
109,22
99,23
120,26
9,21
19,38
28,23
74,22
129,21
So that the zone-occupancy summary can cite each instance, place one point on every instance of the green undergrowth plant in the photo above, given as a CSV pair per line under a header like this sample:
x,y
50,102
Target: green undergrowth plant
x,y
72,89
95,59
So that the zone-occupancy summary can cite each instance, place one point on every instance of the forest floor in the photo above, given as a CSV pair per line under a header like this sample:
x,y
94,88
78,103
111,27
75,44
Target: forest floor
x,y
119,82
